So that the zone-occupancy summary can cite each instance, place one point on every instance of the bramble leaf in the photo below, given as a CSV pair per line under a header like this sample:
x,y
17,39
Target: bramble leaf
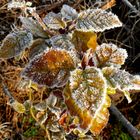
x,y
122,80
84,40
14,43
86,98
109,54
34,27
68,12
54,21
97,20
50,68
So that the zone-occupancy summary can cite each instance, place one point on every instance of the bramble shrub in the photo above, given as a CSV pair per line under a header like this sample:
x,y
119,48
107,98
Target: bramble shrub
x,y
64,56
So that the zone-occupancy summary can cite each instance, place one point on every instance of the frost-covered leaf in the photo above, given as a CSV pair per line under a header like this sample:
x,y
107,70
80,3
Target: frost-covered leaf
x,y
37,47
18,4
54,21
97,20
42,117
50,68
86,98
14,43
34,27
109,54
18,107
84,40
49,102
64,42
122,80
68,12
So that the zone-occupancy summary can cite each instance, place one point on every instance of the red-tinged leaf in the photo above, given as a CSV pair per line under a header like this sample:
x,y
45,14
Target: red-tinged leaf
x,y
50,68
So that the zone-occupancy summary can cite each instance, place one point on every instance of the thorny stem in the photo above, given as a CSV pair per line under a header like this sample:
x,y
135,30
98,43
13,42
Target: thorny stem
x,y
128,126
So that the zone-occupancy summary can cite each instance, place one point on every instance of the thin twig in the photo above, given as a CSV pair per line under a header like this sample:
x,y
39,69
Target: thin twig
x,y
77,3
131,6
45,8
128,126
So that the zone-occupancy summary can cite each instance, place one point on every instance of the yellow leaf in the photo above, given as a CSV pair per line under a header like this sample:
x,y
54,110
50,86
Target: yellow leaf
x,y
84,40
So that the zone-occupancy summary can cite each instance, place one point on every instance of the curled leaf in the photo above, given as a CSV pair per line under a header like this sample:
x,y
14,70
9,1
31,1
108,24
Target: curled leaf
x,y
50,68
84,40
49,102
34,27
14,43
54,21
68,12
97,20
109,54
86,98
122,80
37,47
19,107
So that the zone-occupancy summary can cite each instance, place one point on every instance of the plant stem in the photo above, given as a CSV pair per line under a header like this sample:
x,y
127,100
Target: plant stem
x,y
127,125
